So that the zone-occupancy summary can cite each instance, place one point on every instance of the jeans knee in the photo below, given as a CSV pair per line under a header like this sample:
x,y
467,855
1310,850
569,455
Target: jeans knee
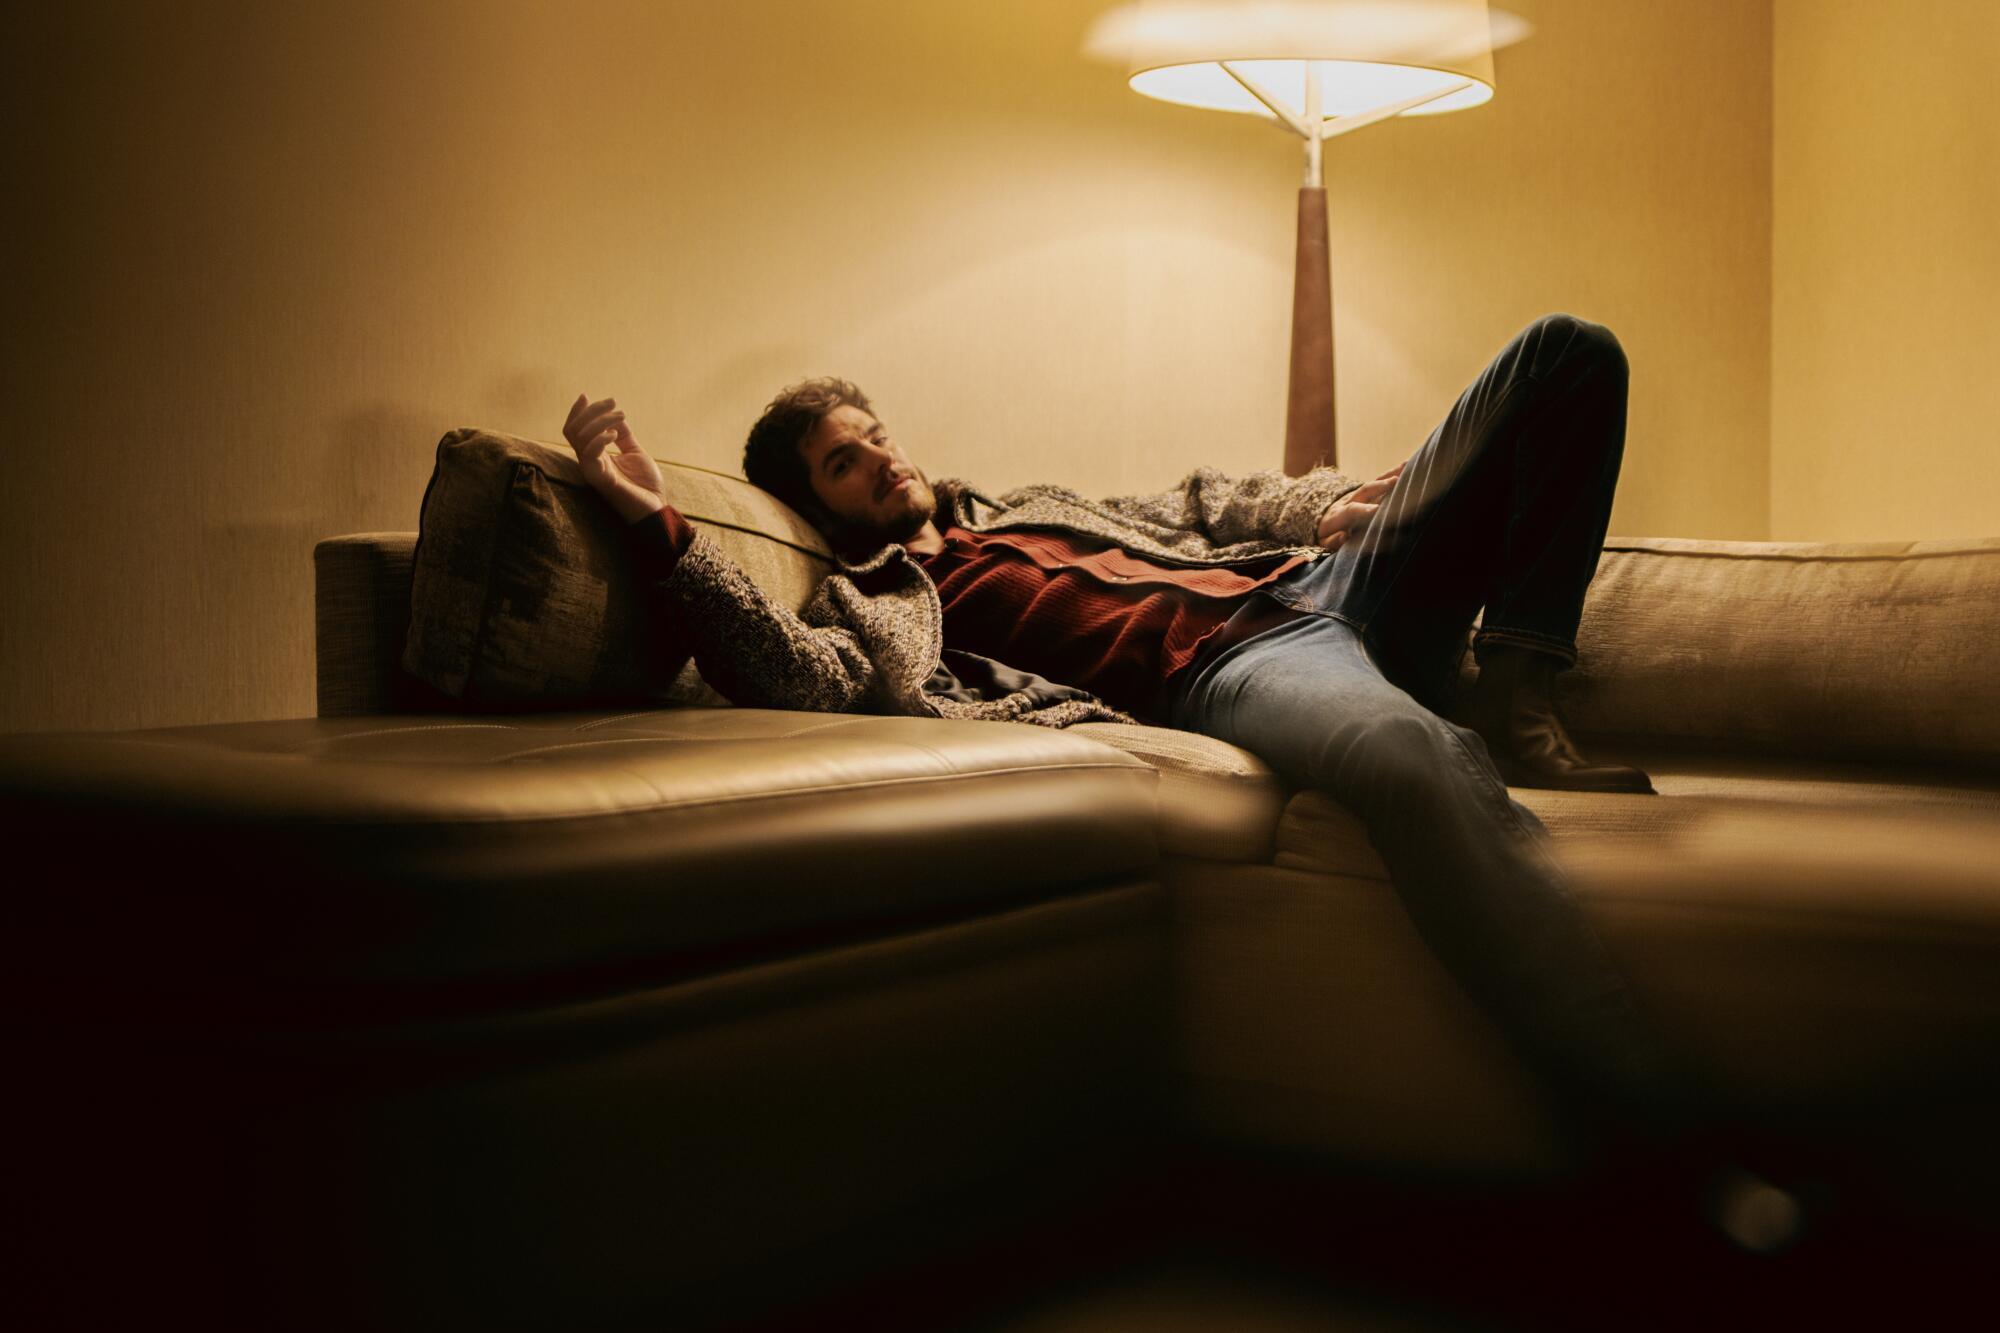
x,y
1580,337
1401,757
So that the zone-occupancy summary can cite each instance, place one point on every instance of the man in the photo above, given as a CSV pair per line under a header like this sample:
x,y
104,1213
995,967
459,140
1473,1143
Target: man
x,y
1316,621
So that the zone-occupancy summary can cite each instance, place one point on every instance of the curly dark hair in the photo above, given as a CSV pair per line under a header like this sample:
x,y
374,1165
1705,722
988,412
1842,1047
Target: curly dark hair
x,y
772,457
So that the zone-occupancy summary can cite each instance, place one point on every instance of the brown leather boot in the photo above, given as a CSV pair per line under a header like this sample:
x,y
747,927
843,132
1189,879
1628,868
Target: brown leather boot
x,y
1514,713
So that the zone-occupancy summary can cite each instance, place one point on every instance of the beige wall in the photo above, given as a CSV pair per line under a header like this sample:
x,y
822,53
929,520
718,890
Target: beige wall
x,y
267,254
1885,292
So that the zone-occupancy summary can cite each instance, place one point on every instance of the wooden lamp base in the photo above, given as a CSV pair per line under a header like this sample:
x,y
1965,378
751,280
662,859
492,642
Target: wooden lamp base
x,y
1309,422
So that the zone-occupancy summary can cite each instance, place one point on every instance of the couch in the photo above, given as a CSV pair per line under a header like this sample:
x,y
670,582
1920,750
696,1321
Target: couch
x,y
537,995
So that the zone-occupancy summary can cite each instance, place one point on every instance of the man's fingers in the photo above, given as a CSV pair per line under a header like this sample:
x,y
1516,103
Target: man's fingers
x,y
583,412
1334,540
583,409
1348,513
595,425
1351,513
1393,472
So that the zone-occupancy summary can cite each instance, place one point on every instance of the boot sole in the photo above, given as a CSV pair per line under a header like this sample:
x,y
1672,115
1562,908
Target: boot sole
x,y
1516,778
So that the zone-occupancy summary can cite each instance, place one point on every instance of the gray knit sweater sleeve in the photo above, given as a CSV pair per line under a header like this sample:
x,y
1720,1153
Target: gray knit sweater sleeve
x,y
757,653
1262,506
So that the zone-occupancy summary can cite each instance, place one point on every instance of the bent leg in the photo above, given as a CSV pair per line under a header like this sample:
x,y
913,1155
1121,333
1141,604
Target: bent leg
x,y
1504,506
1471,866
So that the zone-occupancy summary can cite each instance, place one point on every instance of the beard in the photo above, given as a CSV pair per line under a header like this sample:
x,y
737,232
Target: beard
x,y
873,534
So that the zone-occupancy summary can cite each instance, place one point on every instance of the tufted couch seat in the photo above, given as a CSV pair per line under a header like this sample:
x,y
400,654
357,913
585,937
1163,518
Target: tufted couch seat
x,y
556,1020
553,1018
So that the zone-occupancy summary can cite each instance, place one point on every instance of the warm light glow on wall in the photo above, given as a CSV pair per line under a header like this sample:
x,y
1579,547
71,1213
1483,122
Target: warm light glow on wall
x,y
292,259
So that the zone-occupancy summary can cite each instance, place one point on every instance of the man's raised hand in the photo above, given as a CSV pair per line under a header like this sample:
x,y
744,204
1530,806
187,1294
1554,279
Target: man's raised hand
x,y
1347,514
613,463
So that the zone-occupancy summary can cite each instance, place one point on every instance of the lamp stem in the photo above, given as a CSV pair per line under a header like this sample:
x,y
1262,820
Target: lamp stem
x,y
1309,416
1314,132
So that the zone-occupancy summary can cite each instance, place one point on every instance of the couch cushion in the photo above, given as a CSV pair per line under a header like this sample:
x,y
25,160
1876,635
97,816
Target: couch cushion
x,y
408,854
1317,833
1835,963
1217,802
523,592
1815,956
1865,649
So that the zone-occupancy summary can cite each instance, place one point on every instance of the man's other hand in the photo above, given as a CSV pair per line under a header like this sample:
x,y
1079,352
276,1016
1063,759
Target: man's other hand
x,y
613,463
1347,514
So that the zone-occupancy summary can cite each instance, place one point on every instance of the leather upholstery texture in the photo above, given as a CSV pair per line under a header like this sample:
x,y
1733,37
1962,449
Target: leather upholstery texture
x,y
1786,698
419,851
1819,938
1860,650
673,1154
1697,789
1217,802
788,971
1811,966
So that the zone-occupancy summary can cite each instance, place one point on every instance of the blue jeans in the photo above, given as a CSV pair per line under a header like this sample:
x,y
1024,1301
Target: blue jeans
x,y
1505,506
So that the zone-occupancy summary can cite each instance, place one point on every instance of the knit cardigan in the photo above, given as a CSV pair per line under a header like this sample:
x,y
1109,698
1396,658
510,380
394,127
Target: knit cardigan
x,y
871,640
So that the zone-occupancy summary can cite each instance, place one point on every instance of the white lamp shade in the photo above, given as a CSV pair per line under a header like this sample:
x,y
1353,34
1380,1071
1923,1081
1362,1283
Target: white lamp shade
x,y
1367,53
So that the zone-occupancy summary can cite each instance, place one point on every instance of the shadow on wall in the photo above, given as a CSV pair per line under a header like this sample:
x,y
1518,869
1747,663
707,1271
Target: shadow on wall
x,y
375,469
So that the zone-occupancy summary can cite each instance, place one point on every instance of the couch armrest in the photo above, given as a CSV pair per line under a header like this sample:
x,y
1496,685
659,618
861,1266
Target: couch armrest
x,y
361,615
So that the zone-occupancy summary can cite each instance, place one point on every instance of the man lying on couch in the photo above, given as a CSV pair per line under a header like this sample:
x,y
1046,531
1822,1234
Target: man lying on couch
x,y
1314,621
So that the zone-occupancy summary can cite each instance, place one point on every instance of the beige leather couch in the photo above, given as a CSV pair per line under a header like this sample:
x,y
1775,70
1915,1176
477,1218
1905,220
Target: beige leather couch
x,y
1810,907
404,1015
561,1021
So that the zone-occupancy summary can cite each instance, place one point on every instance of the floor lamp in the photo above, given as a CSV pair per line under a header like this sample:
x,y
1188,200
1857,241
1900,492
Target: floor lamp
x,y
1318,71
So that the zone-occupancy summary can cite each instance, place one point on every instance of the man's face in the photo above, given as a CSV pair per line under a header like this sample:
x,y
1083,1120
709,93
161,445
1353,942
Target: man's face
x,y
874,491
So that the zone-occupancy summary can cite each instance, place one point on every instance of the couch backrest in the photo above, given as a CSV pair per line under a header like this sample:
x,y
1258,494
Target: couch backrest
x,y
1879,650
1866,650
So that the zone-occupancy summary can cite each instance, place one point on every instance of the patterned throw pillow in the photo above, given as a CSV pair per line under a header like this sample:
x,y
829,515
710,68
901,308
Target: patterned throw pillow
x,y
523,592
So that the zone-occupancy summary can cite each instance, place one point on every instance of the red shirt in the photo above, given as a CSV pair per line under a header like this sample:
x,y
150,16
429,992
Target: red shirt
x,y
1082,611
1077,610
